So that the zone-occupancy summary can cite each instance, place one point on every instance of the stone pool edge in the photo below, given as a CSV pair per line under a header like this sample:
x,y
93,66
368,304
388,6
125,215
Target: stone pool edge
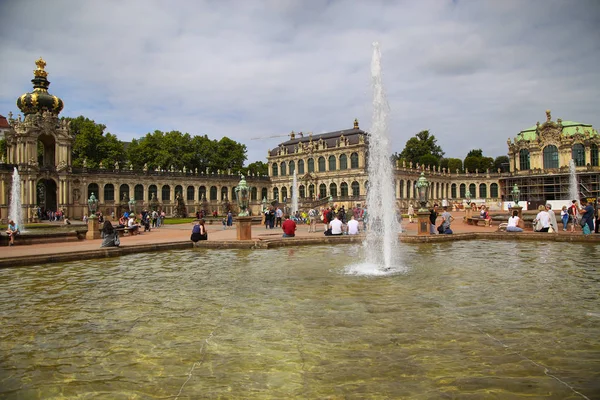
x,y
21,261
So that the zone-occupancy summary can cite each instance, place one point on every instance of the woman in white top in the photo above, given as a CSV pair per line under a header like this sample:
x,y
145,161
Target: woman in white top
x,y
514,223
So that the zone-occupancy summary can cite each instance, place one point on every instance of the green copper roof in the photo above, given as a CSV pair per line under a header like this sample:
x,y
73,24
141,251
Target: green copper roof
x,y
569,129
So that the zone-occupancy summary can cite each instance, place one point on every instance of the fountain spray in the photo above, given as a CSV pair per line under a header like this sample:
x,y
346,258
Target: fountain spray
x,y
383,228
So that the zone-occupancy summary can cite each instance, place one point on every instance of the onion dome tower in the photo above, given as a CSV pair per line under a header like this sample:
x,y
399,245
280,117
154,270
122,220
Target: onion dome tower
x,y
40,100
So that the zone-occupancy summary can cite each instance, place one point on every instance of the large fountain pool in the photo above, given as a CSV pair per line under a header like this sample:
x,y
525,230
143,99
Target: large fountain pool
x,y
473,320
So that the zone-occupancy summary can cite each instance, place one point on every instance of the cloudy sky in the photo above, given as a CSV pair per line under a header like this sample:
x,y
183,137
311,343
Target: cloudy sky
x,y
472,72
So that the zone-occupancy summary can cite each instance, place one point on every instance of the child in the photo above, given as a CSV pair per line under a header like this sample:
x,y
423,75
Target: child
x,y
224,223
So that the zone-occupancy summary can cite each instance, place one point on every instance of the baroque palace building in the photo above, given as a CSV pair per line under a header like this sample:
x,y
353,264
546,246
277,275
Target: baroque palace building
x,y
328,168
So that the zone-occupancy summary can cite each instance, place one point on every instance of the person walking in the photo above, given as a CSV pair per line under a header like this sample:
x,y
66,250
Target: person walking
x,y
564,216
312,219
587,217
432,218
411,213
573,211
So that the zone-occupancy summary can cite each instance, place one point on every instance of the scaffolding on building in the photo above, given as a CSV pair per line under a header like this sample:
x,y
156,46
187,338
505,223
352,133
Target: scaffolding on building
x,y
540,188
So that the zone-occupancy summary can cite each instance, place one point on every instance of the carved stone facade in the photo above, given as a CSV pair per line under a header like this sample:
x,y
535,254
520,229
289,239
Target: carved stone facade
x,y
540,157
330,164
551,146
333,165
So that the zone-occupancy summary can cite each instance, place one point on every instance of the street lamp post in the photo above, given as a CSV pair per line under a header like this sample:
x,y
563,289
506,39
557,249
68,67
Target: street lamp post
x,y
93,231
423,213
516,195
132,205
243,221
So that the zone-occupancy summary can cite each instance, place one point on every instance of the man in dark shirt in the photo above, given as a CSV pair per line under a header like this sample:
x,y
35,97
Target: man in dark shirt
x,y
432,218
289,227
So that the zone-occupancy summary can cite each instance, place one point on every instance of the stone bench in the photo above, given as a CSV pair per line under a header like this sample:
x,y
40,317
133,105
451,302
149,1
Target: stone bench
x,y
477,220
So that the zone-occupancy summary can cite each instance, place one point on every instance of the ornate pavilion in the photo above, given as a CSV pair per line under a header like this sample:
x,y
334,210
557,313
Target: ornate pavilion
x,y
330,165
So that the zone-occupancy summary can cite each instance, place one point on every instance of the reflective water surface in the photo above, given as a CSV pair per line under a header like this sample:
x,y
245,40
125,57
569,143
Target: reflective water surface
x,y
469,320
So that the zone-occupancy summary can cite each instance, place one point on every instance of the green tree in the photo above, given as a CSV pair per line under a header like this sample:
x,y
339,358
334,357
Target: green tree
x,y
486,163
178,150
91,144
228,154
429,159
502,163
422,144
454,164
471,163
475,153
258,168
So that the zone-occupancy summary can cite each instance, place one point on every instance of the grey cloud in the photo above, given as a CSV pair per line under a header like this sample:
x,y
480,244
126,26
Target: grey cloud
x,y
474,72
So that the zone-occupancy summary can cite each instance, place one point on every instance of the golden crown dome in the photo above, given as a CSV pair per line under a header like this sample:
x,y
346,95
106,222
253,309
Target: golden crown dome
x,y
40,100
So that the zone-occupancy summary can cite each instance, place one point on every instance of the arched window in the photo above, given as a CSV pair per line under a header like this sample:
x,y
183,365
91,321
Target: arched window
x,y
254,193
344,189
482,190
321,164
124,192
494,190
93,188
322,191
138,192
550,157
472,189
213,192
264,193
343,162
354,160
109,192
594,155
300,167
301,191
579,155
284,194
402,189
166,193
355,189
333,190
274,169
463,191
311,191
190,193
152,192
178,189
224,191
453,191
276,194
201,193
233,195
311,165
292,167
332,163
282,167
524,160
408,189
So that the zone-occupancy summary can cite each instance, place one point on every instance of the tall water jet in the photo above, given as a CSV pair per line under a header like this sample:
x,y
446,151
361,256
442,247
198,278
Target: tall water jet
x,y
294,194
573,185
383,227
15,211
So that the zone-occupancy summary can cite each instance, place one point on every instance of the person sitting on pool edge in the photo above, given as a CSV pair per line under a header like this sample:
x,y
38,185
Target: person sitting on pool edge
x,y
289,227
515,224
